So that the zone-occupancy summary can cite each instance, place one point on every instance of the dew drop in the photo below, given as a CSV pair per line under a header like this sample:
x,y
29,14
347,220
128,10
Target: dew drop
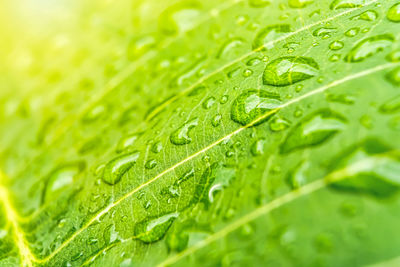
x,y
117,167
180,17
369,47
391,106
139,46
278,124
126,143
156,147
230,48
369,15
150,164
337,4
352,32
208,103
394,13
297,176
154,229
315,129
259,3
266,37
378,177
394,77
324,32
257,148
181,135
286,71
61,177
299,3
216,120
253,105
336,45
394,56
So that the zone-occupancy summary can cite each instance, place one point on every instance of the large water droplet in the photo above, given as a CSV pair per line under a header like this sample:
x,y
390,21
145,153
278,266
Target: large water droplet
x,y
394,13
61,177
313,130
252,105
117,167
181,135
154,229
369,47
285,71
378,176
337,4
266,36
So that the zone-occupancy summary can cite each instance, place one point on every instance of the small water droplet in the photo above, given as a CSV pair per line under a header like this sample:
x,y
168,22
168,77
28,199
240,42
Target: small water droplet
x,y
150,164
181,135
259,3
286,71
247,73
116,168
299,3
156,147
224,99
297,176
369,15
338,4
391,106
126,143
324,32
209,102
352,32
216,120
336,45
257,148
278,124
253,62
230,48
369,47
394,77
394,56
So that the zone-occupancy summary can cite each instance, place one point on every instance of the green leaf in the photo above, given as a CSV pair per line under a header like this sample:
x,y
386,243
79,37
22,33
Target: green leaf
x,y
212,133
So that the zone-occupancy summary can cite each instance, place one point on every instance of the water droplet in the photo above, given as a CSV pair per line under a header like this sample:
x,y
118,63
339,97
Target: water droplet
x,y
216,120
230,48
252,105
187,73
391,106
342,98
156,147
366,121
352,32
313,130
180,17
253,62
369,47
61,177
278,124
94,113
181,135
209,102
139,46
152,230
394,56
233,72
126,143
247,73
337,4
259,3
257,148
334,58
224,99
285,71
266,36
324,32
117,167
297,176
187,175
336,45
150,164
299,3
394,77
394,13
379,176
369,15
